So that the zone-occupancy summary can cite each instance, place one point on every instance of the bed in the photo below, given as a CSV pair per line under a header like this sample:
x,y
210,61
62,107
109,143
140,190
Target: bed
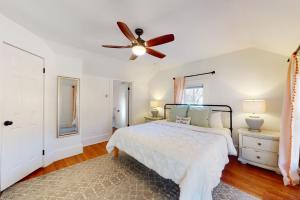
x,y
191,156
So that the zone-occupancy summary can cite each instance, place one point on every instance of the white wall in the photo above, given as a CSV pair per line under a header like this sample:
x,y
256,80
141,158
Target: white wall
x,y
140,101
100,66
96,106
58,148
98,72
55,65
249,73
95,110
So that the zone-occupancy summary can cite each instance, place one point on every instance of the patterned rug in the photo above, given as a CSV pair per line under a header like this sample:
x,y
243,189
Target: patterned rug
x,y
107,178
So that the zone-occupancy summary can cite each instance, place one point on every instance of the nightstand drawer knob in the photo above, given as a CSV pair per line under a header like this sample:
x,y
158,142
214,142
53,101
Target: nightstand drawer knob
x,y
259,144
258,157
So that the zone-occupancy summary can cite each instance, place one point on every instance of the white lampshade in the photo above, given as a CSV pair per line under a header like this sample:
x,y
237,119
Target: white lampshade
x,y
254,106
155,104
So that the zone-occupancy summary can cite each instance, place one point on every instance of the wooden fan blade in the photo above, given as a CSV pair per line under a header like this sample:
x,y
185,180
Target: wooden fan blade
x,y
160,40
126,31
132,57
116,46
155,53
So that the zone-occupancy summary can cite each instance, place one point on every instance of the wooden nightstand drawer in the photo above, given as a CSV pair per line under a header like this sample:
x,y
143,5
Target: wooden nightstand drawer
x,y
259,148
261,157
260,144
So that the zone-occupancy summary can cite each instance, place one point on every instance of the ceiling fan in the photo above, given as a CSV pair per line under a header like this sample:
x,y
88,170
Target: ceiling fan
x,y
139,46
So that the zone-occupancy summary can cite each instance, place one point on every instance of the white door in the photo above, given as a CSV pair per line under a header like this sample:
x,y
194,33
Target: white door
x,y
21,106
121,94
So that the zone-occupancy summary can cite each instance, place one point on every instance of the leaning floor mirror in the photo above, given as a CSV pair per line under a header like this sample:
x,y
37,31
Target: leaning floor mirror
x,y
67,106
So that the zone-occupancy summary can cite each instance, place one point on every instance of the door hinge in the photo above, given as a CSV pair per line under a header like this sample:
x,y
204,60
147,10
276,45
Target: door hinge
x,y
43,152
44,70
129,88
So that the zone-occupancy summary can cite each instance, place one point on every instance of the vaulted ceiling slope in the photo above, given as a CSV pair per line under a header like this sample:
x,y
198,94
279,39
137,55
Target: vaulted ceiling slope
x,y
203,28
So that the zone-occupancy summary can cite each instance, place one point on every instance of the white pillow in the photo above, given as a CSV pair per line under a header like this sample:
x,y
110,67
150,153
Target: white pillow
x,y
183,120
215,120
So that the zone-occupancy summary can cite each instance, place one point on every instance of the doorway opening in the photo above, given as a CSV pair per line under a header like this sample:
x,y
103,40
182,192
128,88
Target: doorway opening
x,y
122,91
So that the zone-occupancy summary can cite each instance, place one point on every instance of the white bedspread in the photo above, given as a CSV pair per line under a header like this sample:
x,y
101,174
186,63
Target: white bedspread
x,y
191,156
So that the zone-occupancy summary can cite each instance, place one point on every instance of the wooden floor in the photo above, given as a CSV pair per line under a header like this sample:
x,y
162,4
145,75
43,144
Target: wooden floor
x,y
259,182
89,152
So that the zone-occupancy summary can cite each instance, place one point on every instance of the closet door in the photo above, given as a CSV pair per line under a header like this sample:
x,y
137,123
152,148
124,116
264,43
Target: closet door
x,y
21,114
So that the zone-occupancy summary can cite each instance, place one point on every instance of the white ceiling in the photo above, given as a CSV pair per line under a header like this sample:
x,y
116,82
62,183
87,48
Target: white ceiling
x,y
202,28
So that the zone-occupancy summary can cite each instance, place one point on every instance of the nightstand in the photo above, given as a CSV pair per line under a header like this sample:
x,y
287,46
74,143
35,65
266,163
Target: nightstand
x,y
150,119
259,148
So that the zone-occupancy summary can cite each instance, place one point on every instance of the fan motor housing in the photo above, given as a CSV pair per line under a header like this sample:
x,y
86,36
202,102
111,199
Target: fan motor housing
x,y
139,31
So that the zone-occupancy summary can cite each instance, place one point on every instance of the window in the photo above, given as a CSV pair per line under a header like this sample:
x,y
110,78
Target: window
x,y
193,95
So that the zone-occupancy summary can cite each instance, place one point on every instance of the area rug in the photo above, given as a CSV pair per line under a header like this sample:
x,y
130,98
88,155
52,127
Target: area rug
x,y
108,178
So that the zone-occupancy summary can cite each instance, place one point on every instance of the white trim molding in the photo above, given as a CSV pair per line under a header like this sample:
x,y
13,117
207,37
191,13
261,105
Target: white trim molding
x,y
51,157
95,139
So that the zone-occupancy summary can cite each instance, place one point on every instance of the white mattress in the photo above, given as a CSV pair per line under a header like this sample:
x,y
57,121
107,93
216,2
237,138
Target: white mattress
x,y
191,156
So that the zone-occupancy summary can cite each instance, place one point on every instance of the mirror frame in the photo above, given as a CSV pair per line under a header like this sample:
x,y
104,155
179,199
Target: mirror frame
x,y
73,133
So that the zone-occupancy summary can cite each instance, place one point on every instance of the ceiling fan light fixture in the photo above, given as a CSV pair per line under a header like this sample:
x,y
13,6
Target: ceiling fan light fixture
x,y
138,50
139,46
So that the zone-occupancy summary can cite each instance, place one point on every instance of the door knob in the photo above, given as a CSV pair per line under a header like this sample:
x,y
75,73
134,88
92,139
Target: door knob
x,y
8,123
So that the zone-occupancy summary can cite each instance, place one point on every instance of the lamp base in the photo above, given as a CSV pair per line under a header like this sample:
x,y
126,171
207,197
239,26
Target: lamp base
x,y
154,113
254,123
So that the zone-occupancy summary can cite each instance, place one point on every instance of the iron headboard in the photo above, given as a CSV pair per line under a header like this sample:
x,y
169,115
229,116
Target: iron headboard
x,y
223,108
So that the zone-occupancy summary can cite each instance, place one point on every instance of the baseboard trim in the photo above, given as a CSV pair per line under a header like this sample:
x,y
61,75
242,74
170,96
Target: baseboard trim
x,y
95,139
62,153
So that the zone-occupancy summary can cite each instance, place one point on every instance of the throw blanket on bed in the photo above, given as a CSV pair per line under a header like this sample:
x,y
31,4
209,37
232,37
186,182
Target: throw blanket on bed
x,y
191,156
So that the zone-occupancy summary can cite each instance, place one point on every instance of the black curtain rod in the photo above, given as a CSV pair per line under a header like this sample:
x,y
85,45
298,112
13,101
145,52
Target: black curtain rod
x,y
295,52
212,72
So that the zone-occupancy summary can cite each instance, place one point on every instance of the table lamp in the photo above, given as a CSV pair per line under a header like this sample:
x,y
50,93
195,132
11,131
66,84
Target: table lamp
x,y
155,104
254,107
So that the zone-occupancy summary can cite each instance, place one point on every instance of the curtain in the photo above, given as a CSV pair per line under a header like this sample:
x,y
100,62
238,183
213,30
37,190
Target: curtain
x,y
74,104
290,126
178,89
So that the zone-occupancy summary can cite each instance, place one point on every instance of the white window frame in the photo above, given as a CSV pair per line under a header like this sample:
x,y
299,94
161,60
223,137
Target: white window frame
x,y
193,87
